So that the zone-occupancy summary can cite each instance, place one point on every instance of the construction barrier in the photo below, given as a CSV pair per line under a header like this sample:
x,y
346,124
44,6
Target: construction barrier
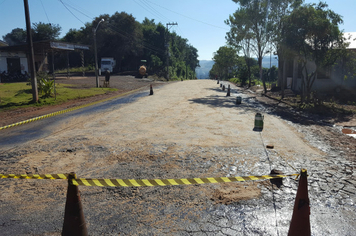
x,y
74,221
300,223
48,176
228,91
151,90
144,182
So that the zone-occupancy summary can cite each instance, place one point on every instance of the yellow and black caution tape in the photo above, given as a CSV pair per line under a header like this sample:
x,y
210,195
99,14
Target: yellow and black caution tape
x,y
143,182
49,176
65,111
165,182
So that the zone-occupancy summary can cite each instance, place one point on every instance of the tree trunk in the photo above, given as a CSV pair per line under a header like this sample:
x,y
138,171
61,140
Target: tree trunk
x,y
261,75
280,69
248,71
283,77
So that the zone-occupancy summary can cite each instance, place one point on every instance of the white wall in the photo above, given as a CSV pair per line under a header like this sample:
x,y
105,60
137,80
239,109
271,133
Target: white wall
x,y
323,85
24,65
3,64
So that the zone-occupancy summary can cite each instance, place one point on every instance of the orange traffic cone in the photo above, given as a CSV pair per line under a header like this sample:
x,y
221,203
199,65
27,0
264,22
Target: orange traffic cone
x,y
300,223
74,222
151,90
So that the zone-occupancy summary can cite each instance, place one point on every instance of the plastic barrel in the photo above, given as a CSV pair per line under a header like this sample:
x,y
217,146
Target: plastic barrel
x,y
238,100
258,121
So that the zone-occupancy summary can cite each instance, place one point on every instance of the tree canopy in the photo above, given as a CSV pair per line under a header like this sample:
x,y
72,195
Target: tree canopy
x,y
225,59
312,33
250,29
129,41
125,39
40,31
16,36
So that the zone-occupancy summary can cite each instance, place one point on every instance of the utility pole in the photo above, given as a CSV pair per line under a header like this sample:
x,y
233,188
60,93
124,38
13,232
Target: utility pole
x,y
31,54
96,53
167,47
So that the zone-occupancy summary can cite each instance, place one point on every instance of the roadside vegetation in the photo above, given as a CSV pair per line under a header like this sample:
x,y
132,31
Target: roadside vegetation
x,y
15,95
292,30
125,39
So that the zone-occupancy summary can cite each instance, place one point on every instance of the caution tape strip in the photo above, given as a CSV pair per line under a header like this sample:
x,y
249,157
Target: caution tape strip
x,y
143,182
64,111
166,182
49,176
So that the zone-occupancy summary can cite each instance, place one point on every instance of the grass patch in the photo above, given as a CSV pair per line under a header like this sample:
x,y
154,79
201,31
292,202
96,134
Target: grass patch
x,y
235,80
77,69
14,95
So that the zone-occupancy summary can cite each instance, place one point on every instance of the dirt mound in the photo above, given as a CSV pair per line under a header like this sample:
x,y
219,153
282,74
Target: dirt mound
x,y
230,193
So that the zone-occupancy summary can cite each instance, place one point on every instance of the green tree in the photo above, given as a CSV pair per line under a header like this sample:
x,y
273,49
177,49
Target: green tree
x,y
279,9
251,25
183,57
42,31
225,59
120,36
128,41
244,66
73,35
153,45
311,32
16,36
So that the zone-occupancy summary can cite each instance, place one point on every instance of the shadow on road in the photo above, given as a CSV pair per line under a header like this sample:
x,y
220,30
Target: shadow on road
x,y
269,106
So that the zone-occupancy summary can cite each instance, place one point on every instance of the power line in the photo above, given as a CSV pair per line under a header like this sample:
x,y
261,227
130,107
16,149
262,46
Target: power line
x,y
71,12
45,12
153,9
80,9
129,36
74,8
188,17
116,30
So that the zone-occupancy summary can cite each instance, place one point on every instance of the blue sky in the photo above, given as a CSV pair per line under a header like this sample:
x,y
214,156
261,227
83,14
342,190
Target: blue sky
x,y
200,21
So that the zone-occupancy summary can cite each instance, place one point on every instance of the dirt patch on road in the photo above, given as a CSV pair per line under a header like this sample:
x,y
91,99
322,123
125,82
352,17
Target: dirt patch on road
x,y
232,193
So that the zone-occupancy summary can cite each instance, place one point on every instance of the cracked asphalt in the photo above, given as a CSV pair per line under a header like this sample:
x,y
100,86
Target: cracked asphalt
x,y
185,130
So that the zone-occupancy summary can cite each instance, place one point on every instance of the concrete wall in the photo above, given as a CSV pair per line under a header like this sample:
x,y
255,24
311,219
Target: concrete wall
x,y
335,82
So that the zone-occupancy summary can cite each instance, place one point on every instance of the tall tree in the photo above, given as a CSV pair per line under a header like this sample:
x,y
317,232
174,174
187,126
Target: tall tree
x,y
153,45
240,38
120,36
16,36
279,9
40,31
225,59
128,41
43,31
312,33
251,22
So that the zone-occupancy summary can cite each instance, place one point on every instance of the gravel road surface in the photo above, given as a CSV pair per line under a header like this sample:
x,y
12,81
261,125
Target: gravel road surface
x,y
185,130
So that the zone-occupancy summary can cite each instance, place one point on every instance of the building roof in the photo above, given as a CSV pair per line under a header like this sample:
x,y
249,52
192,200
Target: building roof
x,y
46,46
351,38
3,44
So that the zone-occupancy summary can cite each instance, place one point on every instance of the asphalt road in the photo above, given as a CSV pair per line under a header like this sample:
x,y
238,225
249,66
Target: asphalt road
x,y
17,135
186,129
